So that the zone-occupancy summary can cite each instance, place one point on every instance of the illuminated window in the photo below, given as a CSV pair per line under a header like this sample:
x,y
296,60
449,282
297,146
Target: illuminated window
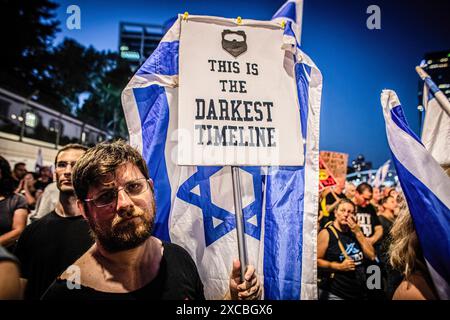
x,y
30,119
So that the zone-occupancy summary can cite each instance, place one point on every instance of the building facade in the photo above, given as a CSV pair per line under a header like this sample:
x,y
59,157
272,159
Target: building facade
x,y
137,41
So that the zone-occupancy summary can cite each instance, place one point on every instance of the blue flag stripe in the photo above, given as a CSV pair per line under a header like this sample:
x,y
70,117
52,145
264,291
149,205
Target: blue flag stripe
x,y
287,11
154,114
302,73
400,120
284,216
433,87
163,61
288,29
434,228
283,234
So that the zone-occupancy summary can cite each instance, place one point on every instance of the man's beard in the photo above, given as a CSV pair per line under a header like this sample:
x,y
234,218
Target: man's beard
x,y
124,234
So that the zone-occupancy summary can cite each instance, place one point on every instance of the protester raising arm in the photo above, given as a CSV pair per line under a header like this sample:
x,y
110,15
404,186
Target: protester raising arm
x,y
341,249
366,246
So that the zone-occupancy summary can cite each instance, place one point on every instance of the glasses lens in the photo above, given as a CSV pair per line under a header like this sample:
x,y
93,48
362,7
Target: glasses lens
x,y
136,187
133,188
105,198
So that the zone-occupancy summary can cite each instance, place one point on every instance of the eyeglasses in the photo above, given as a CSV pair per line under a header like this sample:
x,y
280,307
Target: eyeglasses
x,y
109,197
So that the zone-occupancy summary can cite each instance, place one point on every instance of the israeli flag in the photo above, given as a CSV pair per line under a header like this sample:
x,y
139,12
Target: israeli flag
x,y
291,12
427,191
195,207
436,126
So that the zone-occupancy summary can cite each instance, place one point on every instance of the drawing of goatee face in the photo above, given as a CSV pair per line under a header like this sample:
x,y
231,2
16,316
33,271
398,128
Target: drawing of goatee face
x,y
234,42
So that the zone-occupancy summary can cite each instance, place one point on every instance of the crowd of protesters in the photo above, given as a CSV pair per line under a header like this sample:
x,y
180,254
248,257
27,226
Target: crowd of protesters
x,y
89,224
367,247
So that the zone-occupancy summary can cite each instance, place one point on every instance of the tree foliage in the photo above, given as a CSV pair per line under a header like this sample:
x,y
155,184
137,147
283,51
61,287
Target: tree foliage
x,y
62,74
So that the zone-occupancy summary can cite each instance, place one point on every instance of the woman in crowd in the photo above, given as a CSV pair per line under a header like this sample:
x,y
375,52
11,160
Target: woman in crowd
x,y
387,215
27,189
13,208
341,250
376,198
406,256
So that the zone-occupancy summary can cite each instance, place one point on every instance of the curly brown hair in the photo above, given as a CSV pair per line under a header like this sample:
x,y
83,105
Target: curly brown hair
x,y
101,160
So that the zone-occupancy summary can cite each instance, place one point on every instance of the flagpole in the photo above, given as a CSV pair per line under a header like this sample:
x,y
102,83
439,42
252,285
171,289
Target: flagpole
x,y
440,97
242,247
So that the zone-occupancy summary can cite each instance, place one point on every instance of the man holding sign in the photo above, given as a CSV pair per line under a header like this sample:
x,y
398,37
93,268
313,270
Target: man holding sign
x,y
243,95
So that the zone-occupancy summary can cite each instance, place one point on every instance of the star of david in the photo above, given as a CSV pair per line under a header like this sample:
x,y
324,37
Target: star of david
x,y
213,213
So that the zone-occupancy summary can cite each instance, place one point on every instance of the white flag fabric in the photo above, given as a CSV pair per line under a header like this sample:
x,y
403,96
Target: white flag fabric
x,y
194,204
436,126
39,161
381,174
426,188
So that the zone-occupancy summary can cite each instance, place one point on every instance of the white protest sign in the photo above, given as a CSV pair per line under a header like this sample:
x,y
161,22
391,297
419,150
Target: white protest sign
x,y
237,95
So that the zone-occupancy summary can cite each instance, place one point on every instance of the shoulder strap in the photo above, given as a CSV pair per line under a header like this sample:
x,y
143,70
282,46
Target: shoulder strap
x,y
329,223
341,246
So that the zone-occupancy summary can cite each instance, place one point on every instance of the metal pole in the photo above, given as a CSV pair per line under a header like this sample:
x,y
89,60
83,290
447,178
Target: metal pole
x,y
142,58
239,220
22,125
420,120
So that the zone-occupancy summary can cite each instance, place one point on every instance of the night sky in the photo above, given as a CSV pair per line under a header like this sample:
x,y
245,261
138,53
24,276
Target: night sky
x,y
356,63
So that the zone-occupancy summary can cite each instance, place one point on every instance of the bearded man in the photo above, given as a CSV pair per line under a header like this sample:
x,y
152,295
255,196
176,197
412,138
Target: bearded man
x,y
115,195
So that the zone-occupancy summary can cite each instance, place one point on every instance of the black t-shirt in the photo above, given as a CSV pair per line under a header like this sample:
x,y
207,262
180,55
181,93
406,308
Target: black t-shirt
x,y
386,239
345,284
177,279
367,219
7,208
7,256
49,246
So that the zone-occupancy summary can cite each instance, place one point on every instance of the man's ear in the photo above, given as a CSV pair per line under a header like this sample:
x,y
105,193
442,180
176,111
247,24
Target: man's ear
x,y
80,206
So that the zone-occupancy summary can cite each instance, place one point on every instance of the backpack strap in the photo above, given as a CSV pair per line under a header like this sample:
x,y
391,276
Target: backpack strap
x,y
329,223
341,246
